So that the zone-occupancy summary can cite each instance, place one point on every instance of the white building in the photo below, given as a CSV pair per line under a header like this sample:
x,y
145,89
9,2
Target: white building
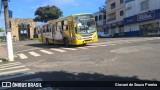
x,y
115,17
100,18
142,18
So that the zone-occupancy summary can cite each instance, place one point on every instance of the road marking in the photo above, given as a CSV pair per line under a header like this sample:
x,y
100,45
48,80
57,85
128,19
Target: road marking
x,y
102,45
98,43
127,42
15,67
59,50
15,71
9,65
22,56
45,51
82,48
92,46
112,44
34,54
16,76
120,43
48,88
27,50
35,79
70,49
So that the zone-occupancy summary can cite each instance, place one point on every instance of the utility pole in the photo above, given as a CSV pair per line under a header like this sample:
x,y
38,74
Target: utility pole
x,y
8,31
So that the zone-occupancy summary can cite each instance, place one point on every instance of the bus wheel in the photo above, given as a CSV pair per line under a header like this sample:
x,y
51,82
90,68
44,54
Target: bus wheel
x,y
99,36
47,42
85,44
66,44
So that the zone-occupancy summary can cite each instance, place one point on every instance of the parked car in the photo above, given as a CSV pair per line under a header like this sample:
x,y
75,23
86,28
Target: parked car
x,y
105,35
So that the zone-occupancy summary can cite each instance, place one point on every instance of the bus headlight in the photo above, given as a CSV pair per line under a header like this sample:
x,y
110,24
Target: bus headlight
x,y
94,36
79,38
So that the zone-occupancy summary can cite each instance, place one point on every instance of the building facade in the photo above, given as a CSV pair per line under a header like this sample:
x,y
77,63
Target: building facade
x,y
22,28
115,17
142,18
100,18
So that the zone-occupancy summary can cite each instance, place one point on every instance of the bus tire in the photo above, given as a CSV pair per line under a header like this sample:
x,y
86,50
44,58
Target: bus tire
x,y
66,44
85,44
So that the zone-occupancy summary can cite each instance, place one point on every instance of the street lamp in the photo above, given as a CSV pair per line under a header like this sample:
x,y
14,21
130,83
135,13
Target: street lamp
x,y
8,31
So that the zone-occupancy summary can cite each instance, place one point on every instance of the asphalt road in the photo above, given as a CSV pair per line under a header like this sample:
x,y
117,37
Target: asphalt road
x,y
115,59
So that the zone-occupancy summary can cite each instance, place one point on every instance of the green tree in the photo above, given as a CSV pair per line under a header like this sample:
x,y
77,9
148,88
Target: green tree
x,y
1,30
47,13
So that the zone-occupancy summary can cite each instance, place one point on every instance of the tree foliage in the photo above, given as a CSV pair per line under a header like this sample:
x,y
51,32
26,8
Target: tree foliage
x,y
47,13
1,30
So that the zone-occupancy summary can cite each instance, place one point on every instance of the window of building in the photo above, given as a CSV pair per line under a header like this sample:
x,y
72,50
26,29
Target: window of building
x,y
10,24
100,17
96,18
113,30
121,30
113,5
104,16
121,13
121,1
65,25
145,5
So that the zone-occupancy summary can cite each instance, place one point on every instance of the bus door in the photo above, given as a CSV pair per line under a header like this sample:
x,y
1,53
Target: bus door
x,y
71,31
41,34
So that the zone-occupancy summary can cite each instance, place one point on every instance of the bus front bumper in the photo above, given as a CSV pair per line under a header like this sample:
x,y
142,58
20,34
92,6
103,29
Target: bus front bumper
x,y
85,41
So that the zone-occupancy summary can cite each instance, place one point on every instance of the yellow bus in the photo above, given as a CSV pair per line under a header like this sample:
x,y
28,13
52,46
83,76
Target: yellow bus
x,y
77,29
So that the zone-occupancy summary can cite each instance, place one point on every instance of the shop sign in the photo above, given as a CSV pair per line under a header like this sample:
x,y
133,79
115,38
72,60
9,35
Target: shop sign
x,y
146,16
151,15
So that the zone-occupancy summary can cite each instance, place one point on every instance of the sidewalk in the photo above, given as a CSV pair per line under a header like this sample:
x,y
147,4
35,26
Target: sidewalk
x,y
3,52
2,43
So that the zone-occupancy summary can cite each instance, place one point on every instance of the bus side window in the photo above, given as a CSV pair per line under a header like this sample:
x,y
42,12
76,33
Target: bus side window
x,y
47,29
43,29
65,26
62,25
53,29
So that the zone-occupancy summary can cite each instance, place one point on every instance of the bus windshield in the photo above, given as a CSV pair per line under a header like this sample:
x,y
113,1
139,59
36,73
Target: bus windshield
x,y
85,24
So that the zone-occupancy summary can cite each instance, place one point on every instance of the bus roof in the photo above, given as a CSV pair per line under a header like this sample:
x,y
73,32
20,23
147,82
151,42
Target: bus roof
x,y
81,14
69,16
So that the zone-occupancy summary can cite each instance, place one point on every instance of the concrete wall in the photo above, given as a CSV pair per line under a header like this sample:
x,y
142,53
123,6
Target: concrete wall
x,y
135,6
135,27
14,26
119,7
99,22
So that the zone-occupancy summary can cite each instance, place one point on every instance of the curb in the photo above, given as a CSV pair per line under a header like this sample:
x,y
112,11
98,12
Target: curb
x,y
2,61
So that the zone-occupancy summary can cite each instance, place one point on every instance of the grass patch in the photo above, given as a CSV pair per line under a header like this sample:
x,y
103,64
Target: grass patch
x,y
34,39
2,38
4,61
